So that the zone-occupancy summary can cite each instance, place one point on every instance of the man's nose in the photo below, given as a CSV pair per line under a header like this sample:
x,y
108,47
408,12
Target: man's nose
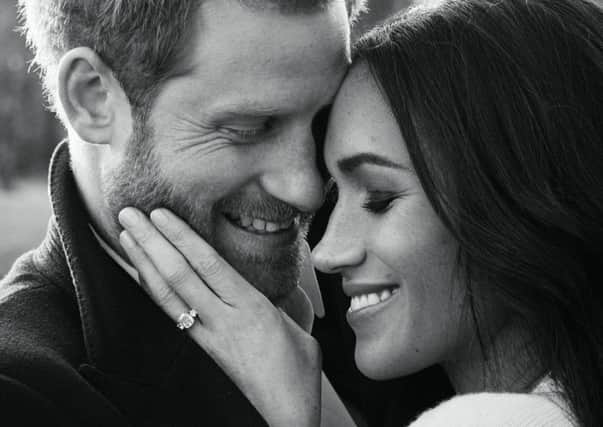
x,y
294,178
341,247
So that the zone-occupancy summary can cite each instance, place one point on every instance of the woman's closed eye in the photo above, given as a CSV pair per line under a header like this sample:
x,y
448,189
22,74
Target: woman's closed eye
x,y
376,201
379,202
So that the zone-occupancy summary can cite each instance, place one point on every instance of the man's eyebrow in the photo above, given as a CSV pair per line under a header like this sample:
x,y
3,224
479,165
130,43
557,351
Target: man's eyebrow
x,y
244,109
350,164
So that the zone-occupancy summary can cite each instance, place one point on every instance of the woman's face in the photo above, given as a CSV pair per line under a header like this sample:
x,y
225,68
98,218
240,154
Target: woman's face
x,y
396,258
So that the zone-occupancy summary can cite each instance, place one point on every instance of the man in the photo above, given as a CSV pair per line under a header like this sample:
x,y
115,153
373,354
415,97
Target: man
x,y
204,107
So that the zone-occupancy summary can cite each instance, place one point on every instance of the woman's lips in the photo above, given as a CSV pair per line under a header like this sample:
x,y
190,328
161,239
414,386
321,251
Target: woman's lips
x,y
367,299
362,301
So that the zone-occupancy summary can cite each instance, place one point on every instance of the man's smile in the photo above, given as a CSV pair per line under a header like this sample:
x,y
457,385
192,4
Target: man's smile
x,y
256,235
260,225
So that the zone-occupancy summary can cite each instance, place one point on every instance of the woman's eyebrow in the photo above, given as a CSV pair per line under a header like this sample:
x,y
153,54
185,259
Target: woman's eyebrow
x,y
350,164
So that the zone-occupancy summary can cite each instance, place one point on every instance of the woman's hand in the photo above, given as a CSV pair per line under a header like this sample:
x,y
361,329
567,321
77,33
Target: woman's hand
x,y
271,359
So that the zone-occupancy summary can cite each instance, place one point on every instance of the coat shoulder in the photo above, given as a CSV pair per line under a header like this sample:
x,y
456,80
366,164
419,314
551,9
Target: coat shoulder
x,y
37,316
40,336
42,350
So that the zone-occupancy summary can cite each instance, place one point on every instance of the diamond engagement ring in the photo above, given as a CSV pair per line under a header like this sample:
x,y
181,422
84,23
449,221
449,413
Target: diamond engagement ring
x,y
186,320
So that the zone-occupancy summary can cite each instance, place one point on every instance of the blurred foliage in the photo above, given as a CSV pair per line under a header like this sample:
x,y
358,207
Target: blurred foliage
x,y
28,132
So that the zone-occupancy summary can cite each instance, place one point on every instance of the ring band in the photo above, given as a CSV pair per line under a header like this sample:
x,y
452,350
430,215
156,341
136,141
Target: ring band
x,y
186,320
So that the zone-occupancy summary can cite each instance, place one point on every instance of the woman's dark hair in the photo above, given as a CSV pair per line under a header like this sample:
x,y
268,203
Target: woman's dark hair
x,y
500,103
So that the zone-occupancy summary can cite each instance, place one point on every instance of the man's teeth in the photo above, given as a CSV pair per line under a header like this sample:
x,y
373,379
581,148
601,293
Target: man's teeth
x,y
262,226
359,302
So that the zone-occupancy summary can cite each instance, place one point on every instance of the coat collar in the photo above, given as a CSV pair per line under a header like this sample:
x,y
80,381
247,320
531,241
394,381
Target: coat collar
x,y
125,333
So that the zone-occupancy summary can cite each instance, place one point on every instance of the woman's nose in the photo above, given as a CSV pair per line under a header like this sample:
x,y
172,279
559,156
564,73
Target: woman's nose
x,y
339,249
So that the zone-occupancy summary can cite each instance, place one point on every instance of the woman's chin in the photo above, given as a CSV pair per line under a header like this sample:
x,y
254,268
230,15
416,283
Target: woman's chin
x,y
383,365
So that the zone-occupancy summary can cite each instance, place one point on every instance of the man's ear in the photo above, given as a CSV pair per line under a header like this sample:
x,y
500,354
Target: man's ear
x,y
91,98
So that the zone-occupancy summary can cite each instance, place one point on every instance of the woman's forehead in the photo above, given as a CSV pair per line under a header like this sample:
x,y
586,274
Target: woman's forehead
x,y
361,120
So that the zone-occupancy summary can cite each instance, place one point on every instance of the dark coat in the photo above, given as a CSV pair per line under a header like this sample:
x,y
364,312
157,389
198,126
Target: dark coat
x,y
81,344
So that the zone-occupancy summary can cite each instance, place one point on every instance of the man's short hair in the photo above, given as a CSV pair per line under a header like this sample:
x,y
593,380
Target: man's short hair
x,y
140,40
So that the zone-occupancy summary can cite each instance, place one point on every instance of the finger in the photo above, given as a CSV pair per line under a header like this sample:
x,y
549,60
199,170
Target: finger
x,y
219,275
151,280
170,263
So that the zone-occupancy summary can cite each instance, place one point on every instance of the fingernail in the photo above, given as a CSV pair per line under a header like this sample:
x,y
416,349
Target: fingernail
x,y
128,217
126,240
159,217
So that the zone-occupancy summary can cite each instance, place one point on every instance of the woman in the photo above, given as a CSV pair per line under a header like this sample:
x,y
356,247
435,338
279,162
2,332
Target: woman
x,y
466,147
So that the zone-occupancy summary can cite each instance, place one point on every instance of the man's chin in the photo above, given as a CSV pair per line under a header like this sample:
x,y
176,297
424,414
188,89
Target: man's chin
x,y
283,296
272,269
275,284
274,276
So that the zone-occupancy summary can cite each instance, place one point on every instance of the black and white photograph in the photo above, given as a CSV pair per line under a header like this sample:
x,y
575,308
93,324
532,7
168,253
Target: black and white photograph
x,y
301,213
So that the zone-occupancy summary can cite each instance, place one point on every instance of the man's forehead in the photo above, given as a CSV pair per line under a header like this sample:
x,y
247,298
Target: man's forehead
x,y
257,61
232,33
353,7
287,6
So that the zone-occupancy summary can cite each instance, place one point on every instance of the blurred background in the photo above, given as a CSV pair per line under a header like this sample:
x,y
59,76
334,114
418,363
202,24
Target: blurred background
x,y
28,134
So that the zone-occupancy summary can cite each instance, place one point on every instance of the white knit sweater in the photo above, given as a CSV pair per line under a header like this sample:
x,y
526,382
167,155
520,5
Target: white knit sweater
x,y
543,407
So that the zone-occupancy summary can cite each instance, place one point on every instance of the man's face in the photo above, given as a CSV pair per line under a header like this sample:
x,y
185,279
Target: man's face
x,y
228,145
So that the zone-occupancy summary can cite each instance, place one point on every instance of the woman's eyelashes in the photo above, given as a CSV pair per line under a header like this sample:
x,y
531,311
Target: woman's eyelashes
x,y
378,202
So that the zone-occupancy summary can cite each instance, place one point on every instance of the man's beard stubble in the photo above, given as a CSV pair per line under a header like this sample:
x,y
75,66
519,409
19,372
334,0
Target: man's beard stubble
x,y
139,182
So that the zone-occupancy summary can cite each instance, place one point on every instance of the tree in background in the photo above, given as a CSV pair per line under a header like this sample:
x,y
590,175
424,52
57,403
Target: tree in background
x,y
28,133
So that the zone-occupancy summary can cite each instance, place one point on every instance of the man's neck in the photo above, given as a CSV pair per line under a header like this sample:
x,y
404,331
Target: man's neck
x,y
86,165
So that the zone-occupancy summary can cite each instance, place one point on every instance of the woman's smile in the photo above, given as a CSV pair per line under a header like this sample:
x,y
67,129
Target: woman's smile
x,y
367,304
368,294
